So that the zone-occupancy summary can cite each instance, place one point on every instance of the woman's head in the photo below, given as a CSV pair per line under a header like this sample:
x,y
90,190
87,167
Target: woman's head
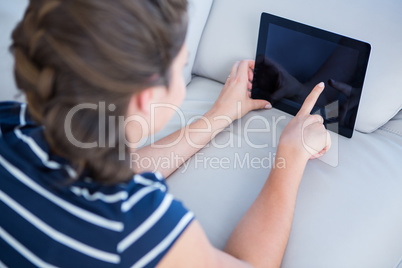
x,y
121,55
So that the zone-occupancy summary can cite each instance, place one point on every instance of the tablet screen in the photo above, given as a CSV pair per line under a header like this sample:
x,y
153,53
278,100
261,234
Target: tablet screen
x,y
292,58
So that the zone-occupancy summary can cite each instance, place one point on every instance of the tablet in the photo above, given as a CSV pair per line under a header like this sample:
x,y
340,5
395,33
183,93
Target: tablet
x,y
293,57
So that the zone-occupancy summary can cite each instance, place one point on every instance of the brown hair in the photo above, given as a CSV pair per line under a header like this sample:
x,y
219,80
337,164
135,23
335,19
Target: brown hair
x,y
92,51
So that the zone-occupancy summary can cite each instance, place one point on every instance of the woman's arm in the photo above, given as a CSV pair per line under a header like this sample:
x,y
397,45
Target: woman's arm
x,y
233,103
260,238
262,234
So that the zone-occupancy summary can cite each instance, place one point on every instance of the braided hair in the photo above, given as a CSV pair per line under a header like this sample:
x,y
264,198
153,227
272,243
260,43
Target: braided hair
x,y
70,52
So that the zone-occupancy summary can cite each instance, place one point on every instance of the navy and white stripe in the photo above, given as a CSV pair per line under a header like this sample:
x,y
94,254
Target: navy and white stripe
x,y
22,250
107,198
48,223
165,243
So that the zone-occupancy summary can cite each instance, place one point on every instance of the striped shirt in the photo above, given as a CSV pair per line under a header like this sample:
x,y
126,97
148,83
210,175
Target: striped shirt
x,y
47,223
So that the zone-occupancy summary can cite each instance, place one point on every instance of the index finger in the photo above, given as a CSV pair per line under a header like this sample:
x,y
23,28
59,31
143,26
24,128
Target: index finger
x,y
311,99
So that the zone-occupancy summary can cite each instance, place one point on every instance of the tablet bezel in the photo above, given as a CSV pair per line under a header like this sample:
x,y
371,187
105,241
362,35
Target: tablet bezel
x,y
362,62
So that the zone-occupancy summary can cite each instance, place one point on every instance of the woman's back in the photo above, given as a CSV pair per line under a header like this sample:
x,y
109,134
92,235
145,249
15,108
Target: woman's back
x,y
50,221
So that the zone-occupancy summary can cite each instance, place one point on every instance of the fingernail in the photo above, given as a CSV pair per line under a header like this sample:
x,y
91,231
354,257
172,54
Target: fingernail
x,y
268,106
321,84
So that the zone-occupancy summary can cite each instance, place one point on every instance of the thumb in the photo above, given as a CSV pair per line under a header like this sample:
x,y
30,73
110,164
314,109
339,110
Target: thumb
x,y
260,104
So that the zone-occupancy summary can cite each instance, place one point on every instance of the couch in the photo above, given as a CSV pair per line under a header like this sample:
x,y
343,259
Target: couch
x,y
349,206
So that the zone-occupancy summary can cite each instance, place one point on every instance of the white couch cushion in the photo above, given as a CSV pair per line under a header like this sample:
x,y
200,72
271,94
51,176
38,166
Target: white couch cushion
x,y
394,125
346,216
10,13
198,12
232,30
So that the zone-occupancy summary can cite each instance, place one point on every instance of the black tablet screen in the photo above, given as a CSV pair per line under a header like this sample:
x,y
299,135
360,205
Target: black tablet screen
x,y
292,58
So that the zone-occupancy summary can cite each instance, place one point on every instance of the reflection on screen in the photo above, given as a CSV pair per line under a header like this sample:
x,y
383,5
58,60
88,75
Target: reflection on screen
x,y
295,62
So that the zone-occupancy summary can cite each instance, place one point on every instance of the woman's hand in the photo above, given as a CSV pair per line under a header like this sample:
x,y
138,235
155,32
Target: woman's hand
x,y
305,135
235,98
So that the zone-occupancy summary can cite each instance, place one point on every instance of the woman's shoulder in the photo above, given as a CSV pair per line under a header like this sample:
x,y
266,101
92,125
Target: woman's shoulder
x,y
10,114
134,223
157,219
151,218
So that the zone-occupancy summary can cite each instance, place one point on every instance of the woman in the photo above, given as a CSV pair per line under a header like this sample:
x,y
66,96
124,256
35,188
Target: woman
x,y
91,70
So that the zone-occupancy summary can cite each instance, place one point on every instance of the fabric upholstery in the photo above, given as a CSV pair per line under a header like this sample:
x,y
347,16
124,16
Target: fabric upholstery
x,y
10,13
198,12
